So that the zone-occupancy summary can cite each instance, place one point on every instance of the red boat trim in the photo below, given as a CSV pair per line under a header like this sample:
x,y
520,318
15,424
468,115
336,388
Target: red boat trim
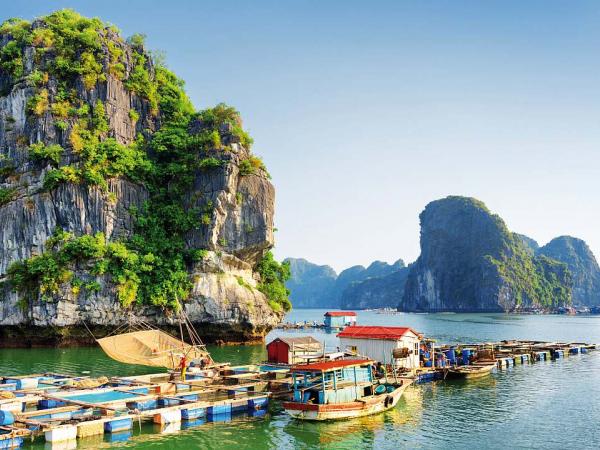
x,y
323,408
325,366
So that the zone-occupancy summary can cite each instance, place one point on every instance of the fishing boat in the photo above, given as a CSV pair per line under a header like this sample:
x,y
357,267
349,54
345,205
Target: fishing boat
x,y
343,389
470,372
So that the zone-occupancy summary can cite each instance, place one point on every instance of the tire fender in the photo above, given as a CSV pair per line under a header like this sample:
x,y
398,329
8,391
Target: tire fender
x,y
388,401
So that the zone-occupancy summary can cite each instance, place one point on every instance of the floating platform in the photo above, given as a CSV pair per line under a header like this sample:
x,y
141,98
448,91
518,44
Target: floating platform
x,y
57,408
510,353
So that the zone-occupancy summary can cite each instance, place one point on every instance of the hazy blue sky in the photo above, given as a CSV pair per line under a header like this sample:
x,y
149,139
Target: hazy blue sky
x,y
366,111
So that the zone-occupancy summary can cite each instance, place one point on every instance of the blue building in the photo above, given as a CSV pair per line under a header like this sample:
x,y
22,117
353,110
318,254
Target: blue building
x,y
339,319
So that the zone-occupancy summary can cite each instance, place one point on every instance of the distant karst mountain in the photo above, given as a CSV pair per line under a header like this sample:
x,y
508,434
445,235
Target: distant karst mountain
x,y
583,266
351,279
376,292
314,286
311,285
470,261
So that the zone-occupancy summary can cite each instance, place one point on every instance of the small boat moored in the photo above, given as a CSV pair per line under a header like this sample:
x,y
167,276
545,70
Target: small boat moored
x,y
472,371
342,389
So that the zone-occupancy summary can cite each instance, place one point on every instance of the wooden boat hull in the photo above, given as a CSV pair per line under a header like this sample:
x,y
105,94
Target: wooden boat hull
x,y
471,372
340,411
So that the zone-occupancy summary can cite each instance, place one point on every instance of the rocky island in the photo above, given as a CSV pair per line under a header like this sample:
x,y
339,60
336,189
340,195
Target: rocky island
x,y
470,262
118,198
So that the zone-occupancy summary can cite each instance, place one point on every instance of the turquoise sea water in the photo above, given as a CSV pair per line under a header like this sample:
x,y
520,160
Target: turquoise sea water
x,y
554,404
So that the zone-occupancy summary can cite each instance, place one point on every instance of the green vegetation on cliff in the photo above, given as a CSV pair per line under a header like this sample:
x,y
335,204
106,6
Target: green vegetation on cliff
x,y
533,280
582,264
273,276
74,54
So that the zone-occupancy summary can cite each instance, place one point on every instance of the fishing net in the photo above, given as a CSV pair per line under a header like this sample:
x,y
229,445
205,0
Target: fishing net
x,y
150,348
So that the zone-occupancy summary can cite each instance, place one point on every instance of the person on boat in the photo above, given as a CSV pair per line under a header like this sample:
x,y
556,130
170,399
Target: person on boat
x,y
183,366
380,370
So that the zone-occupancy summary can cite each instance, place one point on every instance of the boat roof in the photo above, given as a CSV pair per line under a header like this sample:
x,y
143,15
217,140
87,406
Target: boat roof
x,y
375,332
340,313
326,366
296,340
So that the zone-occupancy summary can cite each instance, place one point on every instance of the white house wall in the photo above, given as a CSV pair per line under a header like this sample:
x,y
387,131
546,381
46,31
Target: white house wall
x,y
381,350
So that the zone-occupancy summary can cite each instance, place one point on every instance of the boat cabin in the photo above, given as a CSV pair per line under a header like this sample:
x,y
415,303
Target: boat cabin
x,y
398,346
332,381
339,319
294,350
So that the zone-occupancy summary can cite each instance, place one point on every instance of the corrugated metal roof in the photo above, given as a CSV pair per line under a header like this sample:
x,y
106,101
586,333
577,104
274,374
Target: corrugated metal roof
x,y
296,340
340,313
326,366
373,332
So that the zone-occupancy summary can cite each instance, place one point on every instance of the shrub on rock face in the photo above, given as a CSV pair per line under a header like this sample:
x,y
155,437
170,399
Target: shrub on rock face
x,y
7,195
273,276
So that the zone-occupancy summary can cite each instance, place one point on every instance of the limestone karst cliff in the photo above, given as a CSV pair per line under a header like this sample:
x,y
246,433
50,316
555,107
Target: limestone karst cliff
x,y
117,198
311,285
470,262
582,263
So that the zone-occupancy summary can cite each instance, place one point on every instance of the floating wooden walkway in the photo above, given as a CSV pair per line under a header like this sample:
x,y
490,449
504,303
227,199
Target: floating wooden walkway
x,y
504,354
48,405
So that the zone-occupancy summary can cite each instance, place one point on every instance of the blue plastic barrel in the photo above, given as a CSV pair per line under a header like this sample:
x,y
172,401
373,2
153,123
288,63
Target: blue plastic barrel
x,y
216,410
466,353
118,425
193,413
6,418
451,355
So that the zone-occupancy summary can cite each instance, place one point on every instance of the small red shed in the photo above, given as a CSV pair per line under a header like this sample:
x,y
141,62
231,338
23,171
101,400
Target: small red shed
x,y
292,350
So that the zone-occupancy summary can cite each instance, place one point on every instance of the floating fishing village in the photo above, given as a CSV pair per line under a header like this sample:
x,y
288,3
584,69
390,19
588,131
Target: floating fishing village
x,y
366,375
144,301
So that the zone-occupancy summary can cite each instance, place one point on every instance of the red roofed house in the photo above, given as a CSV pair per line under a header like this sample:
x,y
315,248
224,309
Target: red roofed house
x,y
339,319
380,344
294,350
